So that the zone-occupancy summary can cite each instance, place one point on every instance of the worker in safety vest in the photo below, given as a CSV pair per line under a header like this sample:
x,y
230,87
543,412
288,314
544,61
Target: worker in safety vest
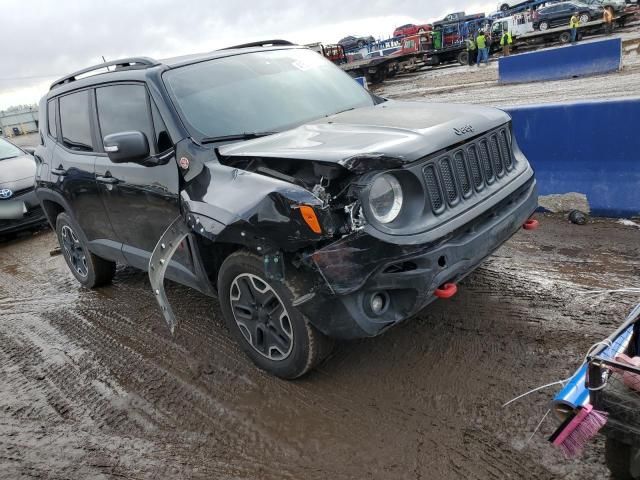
x,y
483,50
505,42
574,23
607,16
472,50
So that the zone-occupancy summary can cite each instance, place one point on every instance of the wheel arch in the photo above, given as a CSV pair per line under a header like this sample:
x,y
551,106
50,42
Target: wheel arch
x,y
53,204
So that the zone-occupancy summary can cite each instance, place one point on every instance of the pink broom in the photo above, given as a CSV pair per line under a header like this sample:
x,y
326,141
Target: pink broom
x,y
578,429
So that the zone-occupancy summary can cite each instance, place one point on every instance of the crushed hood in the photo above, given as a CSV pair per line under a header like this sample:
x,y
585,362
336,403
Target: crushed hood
x,y
406,131
17,173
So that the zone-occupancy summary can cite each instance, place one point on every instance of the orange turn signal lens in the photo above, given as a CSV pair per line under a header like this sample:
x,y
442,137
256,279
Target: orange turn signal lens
x,y
309,216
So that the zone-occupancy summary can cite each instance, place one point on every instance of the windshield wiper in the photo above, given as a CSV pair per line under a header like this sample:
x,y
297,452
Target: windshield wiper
x,y
237,136
341,111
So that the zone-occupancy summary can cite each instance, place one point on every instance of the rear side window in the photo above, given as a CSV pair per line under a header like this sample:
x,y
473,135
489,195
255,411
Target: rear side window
x,y
74,122
124,108
51,118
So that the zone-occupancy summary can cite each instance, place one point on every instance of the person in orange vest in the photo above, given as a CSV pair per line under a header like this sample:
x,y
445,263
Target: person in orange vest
x,y
607,16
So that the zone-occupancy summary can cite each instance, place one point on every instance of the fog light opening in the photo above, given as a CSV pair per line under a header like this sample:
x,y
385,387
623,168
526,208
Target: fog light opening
x,y
442,261
379,302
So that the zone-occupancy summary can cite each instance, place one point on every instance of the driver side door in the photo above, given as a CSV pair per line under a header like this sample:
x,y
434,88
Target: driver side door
x,y
141,200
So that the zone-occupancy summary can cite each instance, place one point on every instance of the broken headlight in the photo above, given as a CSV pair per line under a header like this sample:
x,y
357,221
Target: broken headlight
x,y
385,198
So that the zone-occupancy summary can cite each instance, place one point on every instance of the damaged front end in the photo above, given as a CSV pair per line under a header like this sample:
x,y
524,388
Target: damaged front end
x,y
278,208
366,240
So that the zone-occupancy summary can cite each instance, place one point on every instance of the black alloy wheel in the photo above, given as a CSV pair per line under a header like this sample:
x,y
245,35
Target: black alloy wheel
x,y
261,316
89,269
73,251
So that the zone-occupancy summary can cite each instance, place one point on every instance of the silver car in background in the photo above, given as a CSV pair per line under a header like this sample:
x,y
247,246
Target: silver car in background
x,y
19,207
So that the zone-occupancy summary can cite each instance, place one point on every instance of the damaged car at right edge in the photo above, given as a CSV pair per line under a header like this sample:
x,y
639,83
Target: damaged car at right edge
x,y
264,175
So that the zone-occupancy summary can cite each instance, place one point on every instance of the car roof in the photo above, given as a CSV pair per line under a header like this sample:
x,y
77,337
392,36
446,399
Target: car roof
x,y
135,69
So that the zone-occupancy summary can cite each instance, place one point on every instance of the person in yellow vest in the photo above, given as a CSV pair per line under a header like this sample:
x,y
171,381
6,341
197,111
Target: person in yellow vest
x,y
472,51
607,16
483,51
574,23
505,42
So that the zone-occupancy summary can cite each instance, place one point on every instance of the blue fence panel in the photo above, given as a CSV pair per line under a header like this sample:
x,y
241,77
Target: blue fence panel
x,y
586,147
581,59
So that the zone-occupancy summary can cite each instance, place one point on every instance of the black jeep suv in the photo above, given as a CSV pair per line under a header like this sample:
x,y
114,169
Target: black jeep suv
x,y
264,175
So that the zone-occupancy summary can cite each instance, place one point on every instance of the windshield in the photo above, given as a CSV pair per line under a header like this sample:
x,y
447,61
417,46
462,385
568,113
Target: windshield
x,y
265,91
7,150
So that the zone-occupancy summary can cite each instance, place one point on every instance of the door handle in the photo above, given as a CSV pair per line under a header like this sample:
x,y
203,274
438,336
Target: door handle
x,y
60,171
108,179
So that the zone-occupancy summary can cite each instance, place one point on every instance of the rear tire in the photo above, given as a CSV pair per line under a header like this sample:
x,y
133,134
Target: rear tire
x,y
504,7
543,26
584,18
565,37
260,316
463,58
89,269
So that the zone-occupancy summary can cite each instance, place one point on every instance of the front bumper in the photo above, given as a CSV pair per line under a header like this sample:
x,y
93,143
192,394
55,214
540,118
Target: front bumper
x,y
33,216
360,266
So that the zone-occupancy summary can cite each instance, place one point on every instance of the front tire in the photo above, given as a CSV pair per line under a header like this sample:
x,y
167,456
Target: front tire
x,y
543,26
260,315
584,18
504,7
89,269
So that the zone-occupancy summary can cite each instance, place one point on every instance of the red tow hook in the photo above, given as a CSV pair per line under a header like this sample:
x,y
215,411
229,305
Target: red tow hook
x,y
531,224
447,290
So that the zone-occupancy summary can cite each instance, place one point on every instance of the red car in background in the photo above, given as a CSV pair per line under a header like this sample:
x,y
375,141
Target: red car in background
x,y
411,29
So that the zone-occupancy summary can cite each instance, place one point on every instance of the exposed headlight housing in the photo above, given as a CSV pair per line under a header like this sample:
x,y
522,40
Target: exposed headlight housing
x,y
385,198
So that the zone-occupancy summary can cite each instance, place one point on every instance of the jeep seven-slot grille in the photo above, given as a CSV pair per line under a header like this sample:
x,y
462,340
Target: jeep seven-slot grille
x,y
480,163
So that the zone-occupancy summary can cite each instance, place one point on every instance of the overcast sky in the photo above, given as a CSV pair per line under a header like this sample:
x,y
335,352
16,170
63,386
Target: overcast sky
x,y
45,39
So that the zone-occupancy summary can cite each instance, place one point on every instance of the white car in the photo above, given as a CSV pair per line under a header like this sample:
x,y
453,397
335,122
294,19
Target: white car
x,y
617,5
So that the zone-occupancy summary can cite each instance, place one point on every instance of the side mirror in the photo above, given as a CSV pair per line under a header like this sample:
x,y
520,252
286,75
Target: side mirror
x,y
126,147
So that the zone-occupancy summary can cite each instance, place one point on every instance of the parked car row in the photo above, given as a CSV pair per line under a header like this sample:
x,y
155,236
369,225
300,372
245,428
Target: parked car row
x,y
547,13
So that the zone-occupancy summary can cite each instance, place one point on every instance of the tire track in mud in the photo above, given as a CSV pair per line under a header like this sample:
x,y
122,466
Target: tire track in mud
x,y
97,387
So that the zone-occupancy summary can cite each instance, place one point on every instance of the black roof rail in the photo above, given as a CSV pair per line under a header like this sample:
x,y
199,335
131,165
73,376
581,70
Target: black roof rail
x,y
134,63
263,43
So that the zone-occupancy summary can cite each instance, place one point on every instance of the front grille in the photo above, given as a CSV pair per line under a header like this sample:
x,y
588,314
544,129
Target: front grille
x,y
463,176
456,175
17,193
447,180
433,189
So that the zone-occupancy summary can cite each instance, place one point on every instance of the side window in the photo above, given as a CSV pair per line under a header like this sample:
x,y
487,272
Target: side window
x,y
51,118
74,121
123,108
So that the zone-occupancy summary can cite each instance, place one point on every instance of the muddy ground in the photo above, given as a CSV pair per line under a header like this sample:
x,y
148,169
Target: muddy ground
x,y
94,386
